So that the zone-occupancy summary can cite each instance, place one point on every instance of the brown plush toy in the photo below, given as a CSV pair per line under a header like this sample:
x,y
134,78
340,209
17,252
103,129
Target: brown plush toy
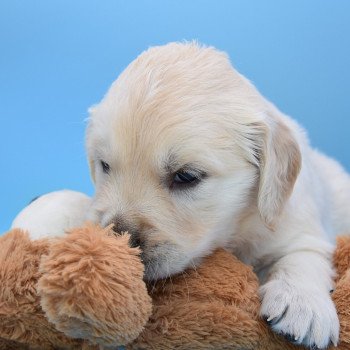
x,y
85,291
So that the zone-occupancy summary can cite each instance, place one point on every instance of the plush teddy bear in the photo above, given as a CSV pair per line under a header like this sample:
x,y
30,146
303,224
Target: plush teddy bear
x,y
84,290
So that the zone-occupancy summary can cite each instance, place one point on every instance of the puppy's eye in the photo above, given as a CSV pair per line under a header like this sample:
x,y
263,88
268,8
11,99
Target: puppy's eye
x,y
105,167
184,179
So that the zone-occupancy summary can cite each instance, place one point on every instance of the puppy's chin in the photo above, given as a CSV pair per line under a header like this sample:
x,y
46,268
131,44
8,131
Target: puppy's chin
x,y
164,260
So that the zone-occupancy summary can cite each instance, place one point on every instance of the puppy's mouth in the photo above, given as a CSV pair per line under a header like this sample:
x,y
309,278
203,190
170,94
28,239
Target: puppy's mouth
x,y
162,261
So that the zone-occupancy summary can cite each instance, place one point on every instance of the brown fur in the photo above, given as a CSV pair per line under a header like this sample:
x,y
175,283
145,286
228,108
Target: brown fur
x,y
86,287
21,318
91,287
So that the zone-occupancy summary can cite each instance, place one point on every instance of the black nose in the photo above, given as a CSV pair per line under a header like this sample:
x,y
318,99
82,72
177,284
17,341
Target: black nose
x,y
135,241
121,226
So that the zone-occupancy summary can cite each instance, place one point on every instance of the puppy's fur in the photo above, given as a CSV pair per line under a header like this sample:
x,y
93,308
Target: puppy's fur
x,y
262,192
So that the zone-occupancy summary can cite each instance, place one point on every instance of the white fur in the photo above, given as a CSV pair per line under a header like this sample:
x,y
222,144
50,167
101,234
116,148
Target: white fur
x,y
53,214
267,196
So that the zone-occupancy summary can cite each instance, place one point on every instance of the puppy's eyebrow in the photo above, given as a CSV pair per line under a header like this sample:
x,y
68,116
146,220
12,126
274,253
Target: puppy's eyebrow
x,y
171,165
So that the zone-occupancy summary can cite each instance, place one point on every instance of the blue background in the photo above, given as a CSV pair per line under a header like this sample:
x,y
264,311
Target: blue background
x,y
59,57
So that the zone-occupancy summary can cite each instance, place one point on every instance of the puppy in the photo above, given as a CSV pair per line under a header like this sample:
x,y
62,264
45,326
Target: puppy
x,y
187,156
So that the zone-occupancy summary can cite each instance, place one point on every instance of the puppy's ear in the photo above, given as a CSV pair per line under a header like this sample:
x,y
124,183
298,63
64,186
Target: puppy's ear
x,y
279,160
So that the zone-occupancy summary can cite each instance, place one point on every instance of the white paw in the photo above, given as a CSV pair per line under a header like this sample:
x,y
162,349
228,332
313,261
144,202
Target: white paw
x,y
303,314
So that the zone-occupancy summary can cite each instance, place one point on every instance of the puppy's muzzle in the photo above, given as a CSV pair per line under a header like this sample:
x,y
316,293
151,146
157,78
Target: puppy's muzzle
x,y
122,226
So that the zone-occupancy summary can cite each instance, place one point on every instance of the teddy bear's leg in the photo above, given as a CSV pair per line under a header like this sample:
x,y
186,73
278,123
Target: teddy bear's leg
x,y
91,287
23,324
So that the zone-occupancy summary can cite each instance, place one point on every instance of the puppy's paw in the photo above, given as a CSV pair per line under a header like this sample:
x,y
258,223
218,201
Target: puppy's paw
x,y
303,314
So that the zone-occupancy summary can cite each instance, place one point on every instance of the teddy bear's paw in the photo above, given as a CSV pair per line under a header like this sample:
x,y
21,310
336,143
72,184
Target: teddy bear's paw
x,y
303,315
92,288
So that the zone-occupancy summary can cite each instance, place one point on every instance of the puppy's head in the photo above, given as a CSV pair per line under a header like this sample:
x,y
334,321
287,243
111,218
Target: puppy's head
x,y
179,148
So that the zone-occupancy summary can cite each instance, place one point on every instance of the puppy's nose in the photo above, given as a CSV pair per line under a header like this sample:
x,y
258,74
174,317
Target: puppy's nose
x,y
121,226
135,241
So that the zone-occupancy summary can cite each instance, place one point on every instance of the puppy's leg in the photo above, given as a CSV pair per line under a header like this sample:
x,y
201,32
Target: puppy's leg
x,y
296,299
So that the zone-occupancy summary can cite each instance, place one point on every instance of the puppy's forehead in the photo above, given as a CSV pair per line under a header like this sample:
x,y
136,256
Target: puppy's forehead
x,y
170,140
174,78
177,98
175,85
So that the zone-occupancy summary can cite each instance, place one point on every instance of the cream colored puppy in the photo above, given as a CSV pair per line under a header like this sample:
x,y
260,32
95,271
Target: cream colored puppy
x,y
187,156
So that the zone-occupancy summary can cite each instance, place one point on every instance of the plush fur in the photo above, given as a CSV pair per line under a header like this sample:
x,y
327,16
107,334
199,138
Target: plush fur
x,y
88,285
